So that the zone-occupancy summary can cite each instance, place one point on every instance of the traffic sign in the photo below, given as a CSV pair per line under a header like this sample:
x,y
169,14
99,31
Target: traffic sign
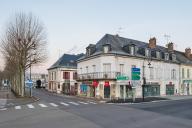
x,y
135,74
29,83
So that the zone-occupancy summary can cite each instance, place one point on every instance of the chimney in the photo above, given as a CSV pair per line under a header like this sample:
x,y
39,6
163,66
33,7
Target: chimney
x,y
170,47
188,53
152,42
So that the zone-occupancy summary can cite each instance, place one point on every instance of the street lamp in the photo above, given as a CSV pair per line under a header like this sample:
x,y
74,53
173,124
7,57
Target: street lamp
x,y
149,59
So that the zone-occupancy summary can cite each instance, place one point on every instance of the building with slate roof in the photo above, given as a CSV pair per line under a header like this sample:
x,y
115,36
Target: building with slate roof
x,y
63,74
118,67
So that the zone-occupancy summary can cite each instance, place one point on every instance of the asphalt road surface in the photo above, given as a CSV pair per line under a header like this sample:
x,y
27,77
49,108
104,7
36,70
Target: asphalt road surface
x,y
53,111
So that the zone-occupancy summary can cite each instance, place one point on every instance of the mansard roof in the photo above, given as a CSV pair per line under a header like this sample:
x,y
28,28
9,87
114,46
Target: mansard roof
x,y
117,44
66,61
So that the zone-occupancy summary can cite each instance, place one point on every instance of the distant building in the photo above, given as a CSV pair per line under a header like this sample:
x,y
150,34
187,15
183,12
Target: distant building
x,y
38,76
118,67
63,74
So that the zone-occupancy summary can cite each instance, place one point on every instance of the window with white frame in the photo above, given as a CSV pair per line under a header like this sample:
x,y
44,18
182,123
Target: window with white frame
x,y
151,73
87,69
106,67
173,57
188,73
121,68
132,50
147,52
183,73
94,68
158,54
166,56
106,49
173,74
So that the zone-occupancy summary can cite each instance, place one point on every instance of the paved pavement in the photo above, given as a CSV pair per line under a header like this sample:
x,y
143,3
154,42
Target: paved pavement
x,y
51,111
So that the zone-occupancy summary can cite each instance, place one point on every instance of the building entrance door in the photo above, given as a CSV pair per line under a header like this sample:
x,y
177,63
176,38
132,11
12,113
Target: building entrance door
x,y
92,91
152,90
170,89
107,92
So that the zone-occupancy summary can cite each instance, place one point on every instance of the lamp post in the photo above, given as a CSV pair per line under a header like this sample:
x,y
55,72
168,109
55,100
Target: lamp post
x,y
149,59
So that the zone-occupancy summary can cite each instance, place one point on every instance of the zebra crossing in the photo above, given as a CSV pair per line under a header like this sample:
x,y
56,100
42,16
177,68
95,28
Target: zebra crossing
x,y
51,104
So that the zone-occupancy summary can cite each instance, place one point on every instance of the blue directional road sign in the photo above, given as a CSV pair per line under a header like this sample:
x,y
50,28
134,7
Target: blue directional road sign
x,y
29,83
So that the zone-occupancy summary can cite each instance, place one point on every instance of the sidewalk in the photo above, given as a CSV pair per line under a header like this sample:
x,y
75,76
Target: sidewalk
x,y
8,99
150,99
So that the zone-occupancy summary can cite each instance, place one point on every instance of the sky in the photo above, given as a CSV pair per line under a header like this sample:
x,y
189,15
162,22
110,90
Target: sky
x,y
73,24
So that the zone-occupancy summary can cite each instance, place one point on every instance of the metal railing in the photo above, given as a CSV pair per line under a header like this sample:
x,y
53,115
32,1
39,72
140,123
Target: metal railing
x,y
98,75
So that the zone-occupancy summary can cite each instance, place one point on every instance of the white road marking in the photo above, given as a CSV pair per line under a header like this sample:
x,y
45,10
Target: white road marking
x,y
43,106
73,103
53,104
64,103
82,102
30,106
3,109
92,102
17,107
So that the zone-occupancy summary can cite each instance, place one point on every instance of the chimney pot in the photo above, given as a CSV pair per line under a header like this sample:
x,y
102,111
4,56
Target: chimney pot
x,y
170,47
152,42
188,53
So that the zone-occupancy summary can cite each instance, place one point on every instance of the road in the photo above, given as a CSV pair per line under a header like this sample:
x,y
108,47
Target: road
x,y
69,112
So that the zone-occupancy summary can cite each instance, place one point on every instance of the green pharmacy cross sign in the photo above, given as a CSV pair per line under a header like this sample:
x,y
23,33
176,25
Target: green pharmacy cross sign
x,y
135,74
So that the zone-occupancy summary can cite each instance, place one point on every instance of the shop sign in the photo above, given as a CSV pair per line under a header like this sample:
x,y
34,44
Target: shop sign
x,y
87,82
187,81
122,77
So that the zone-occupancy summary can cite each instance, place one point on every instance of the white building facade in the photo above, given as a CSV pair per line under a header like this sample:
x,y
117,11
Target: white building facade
x,y
107,69
63,75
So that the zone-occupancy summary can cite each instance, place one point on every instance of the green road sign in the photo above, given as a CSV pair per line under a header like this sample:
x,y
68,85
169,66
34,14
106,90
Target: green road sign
x,y
136,74
122,78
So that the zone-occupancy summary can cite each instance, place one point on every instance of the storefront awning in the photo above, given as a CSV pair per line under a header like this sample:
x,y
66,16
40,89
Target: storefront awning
x,y
95,83
106,84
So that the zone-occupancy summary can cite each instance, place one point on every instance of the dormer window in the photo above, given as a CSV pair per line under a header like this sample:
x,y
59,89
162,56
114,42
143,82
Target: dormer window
x,y
106,49
158,55
88,52
173,57
166,56
132,50
147,52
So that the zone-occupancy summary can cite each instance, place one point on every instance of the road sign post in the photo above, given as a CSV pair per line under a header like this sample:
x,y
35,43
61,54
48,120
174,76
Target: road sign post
x,y
29,83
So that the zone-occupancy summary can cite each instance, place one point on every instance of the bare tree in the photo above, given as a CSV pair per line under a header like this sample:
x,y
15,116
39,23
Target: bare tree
x,y
23,45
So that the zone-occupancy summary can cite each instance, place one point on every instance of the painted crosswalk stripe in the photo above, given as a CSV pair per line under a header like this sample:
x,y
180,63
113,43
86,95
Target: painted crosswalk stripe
x,y
42,105
3,109
53,104
17,107
92,102
30,106
82,102
64,103
73,103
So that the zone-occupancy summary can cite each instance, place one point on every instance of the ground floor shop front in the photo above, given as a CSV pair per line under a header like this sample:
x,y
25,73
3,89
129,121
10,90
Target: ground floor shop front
x,y
67,88
186,87
123,89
